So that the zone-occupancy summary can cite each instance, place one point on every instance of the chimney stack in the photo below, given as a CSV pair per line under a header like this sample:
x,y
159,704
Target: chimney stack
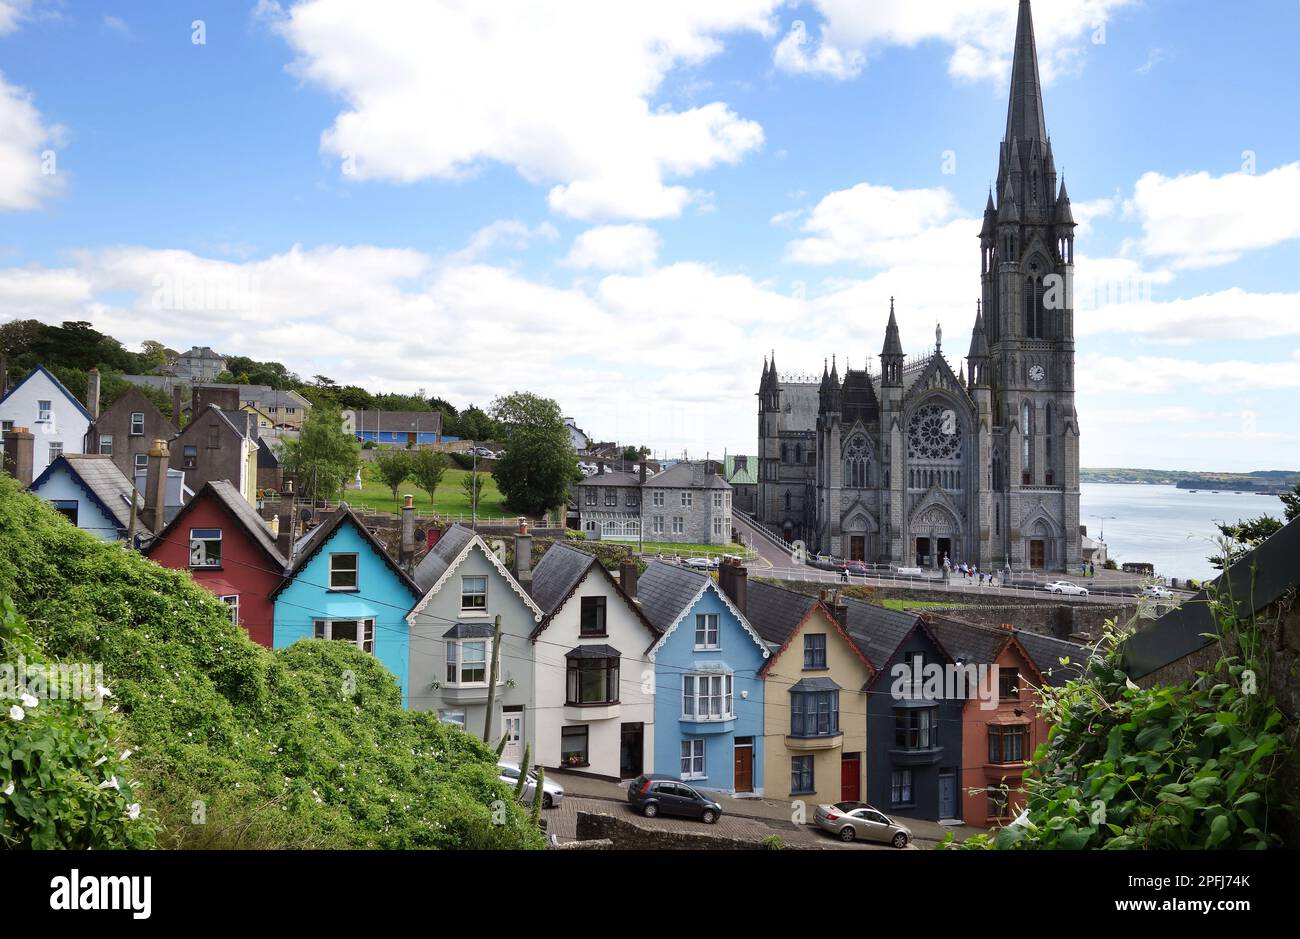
x,y
155,487
600,466
834,601
643,459
523,555
627,575
284,533
733,578
92,393
406,550
19,444
176,406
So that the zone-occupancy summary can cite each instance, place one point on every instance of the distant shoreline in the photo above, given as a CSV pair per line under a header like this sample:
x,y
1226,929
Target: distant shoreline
x,y
1270,482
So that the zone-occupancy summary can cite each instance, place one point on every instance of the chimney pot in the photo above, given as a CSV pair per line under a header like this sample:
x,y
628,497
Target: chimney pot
x,y
92,393
406,549
275,527
627,576
155,487
733,578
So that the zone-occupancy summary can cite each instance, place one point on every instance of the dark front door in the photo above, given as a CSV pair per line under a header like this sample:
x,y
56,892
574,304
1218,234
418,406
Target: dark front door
x,y
857,548
922,552
945,550
1037,553
850,778
744,779
947,794
631,751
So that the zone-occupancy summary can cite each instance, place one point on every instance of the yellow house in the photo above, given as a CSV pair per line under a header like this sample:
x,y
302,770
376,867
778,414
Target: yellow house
x,y
815,710
264,422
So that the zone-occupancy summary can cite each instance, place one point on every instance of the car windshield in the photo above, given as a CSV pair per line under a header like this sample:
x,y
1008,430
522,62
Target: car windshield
x,y
510,773
849,806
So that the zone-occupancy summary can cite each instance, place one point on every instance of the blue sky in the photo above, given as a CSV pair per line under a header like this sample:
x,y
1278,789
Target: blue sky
x,y
625,206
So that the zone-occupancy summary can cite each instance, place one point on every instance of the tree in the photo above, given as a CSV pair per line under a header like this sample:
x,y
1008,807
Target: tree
x,y
474,423
355,398
394,468
472,485
427,467
1248,533
325,456
401,402
539,465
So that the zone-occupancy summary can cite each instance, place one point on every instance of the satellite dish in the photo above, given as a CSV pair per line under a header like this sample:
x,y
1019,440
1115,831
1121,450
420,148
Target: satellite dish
x,y
420,534
305,515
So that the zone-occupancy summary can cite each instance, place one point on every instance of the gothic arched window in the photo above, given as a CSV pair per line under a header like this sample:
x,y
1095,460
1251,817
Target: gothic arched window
x,y
787,501
1026,443
1034,311
857,463
1047,444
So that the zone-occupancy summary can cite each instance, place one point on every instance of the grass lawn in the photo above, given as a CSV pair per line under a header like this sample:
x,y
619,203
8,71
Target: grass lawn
x,y
694,550
452,500
904,605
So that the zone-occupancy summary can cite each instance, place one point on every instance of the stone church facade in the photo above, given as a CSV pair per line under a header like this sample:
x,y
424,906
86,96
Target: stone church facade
x,y
918,461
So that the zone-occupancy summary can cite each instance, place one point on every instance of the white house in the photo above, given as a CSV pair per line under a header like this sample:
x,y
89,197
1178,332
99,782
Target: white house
x,y
593,681
41,404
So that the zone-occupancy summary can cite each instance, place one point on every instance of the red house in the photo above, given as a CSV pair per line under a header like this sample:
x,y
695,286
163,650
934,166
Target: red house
x,y
230,551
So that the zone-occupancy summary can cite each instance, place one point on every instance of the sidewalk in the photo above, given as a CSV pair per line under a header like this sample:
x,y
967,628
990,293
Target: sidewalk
x,y
775,813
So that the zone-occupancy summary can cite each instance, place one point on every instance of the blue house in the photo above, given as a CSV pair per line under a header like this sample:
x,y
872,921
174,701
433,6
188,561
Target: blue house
x,y
708,693
341,584
91,493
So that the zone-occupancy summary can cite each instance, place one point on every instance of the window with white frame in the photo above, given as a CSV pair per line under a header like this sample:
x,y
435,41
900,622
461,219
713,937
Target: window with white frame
x,y
657,500
56,449
359,632
232,601
679,525
687,498
142,461
137,423
205,547
717,500
6,426
611,498
658,525
343,572
44,409
707,698
473,594
693,759
106,444
706,631
467,661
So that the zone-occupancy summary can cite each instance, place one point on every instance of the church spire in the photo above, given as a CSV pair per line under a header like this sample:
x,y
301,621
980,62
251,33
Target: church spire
x,y
1025,120
891,357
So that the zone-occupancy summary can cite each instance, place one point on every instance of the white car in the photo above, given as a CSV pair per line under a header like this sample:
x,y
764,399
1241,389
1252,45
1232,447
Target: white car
x,y
1156,592
700,563
1065,587
552,793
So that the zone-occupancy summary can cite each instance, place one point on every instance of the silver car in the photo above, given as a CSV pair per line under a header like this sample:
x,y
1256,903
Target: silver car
x,y
852,820
552,793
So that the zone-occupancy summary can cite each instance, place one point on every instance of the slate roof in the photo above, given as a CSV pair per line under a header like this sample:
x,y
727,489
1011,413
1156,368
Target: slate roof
x,y
1257,580
440,557
234,503
593,652
103,482
557,573
774,612
398,422
666,590
1047,653
686,476
470,631
877,630
623,480
314,540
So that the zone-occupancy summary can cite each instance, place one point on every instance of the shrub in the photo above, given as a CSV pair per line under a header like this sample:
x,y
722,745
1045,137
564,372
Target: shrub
x,y
307,746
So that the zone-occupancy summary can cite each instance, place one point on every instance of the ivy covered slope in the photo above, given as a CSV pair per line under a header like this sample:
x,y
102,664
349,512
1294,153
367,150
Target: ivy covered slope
x,y
234,745
1167,767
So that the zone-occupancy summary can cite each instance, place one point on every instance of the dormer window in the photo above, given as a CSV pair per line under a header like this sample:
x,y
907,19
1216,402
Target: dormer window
x,y
343,572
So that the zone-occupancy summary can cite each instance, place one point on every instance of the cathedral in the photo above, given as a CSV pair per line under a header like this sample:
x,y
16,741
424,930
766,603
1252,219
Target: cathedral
x,y
918,462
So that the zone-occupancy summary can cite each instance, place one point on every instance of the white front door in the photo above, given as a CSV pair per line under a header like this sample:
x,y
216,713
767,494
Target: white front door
x,y
513,723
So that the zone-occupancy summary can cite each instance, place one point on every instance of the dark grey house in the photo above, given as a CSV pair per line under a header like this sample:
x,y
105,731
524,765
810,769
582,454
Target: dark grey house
x,y
125,430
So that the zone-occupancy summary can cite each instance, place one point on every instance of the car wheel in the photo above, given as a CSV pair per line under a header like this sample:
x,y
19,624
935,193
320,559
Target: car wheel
x,y
900,840
709,817
650,810
547,801
847,834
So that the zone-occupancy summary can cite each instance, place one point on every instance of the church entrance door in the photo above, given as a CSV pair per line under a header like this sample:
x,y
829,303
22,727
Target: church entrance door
x,y
923,552
857,548
1037,555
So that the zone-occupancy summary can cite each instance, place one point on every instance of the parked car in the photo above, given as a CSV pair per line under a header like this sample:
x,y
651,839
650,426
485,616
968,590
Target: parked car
x,y
655,793
700,563
852,820
1065,587
857,568
552,793
1156,592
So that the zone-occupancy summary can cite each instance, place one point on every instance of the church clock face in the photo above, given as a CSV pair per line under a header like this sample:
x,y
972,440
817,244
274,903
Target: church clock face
x,y
1036,374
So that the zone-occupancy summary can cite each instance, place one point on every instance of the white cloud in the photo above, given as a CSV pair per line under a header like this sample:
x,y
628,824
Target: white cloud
x,y
12,13
1152,375
510,233
981,34
27,175
878,226
563,92
1201,220
117,25
615,248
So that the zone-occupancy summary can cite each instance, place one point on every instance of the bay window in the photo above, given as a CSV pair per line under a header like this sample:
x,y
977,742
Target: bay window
x,y
708,698
359,632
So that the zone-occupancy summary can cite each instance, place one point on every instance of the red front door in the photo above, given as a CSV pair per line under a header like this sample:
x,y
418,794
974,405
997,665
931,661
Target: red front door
x,y
850,776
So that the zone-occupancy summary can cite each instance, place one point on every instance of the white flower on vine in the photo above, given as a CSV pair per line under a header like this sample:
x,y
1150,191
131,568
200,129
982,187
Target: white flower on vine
x,y
101,761
16,713
111,783
133,811
9,789
29,701
103,692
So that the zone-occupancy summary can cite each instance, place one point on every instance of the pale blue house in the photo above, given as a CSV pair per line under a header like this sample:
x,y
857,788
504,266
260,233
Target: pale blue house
x,y
342,585
92,494
708,694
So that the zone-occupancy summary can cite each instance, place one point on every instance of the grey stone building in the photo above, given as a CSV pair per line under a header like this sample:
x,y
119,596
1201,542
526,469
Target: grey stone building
x,y
125,430
917,461
688,503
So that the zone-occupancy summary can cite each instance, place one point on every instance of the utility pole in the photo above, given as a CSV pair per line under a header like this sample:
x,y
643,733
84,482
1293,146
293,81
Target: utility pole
x,y
473,502
492,680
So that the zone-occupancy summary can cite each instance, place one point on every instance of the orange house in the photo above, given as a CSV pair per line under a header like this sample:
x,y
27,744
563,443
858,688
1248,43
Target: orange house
x,y
1002,726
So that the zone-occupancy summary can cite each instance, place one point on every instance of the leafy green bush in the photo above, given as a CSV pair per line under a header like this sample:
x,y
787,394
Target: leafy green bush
x,y
64,771
236,745
1187,766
